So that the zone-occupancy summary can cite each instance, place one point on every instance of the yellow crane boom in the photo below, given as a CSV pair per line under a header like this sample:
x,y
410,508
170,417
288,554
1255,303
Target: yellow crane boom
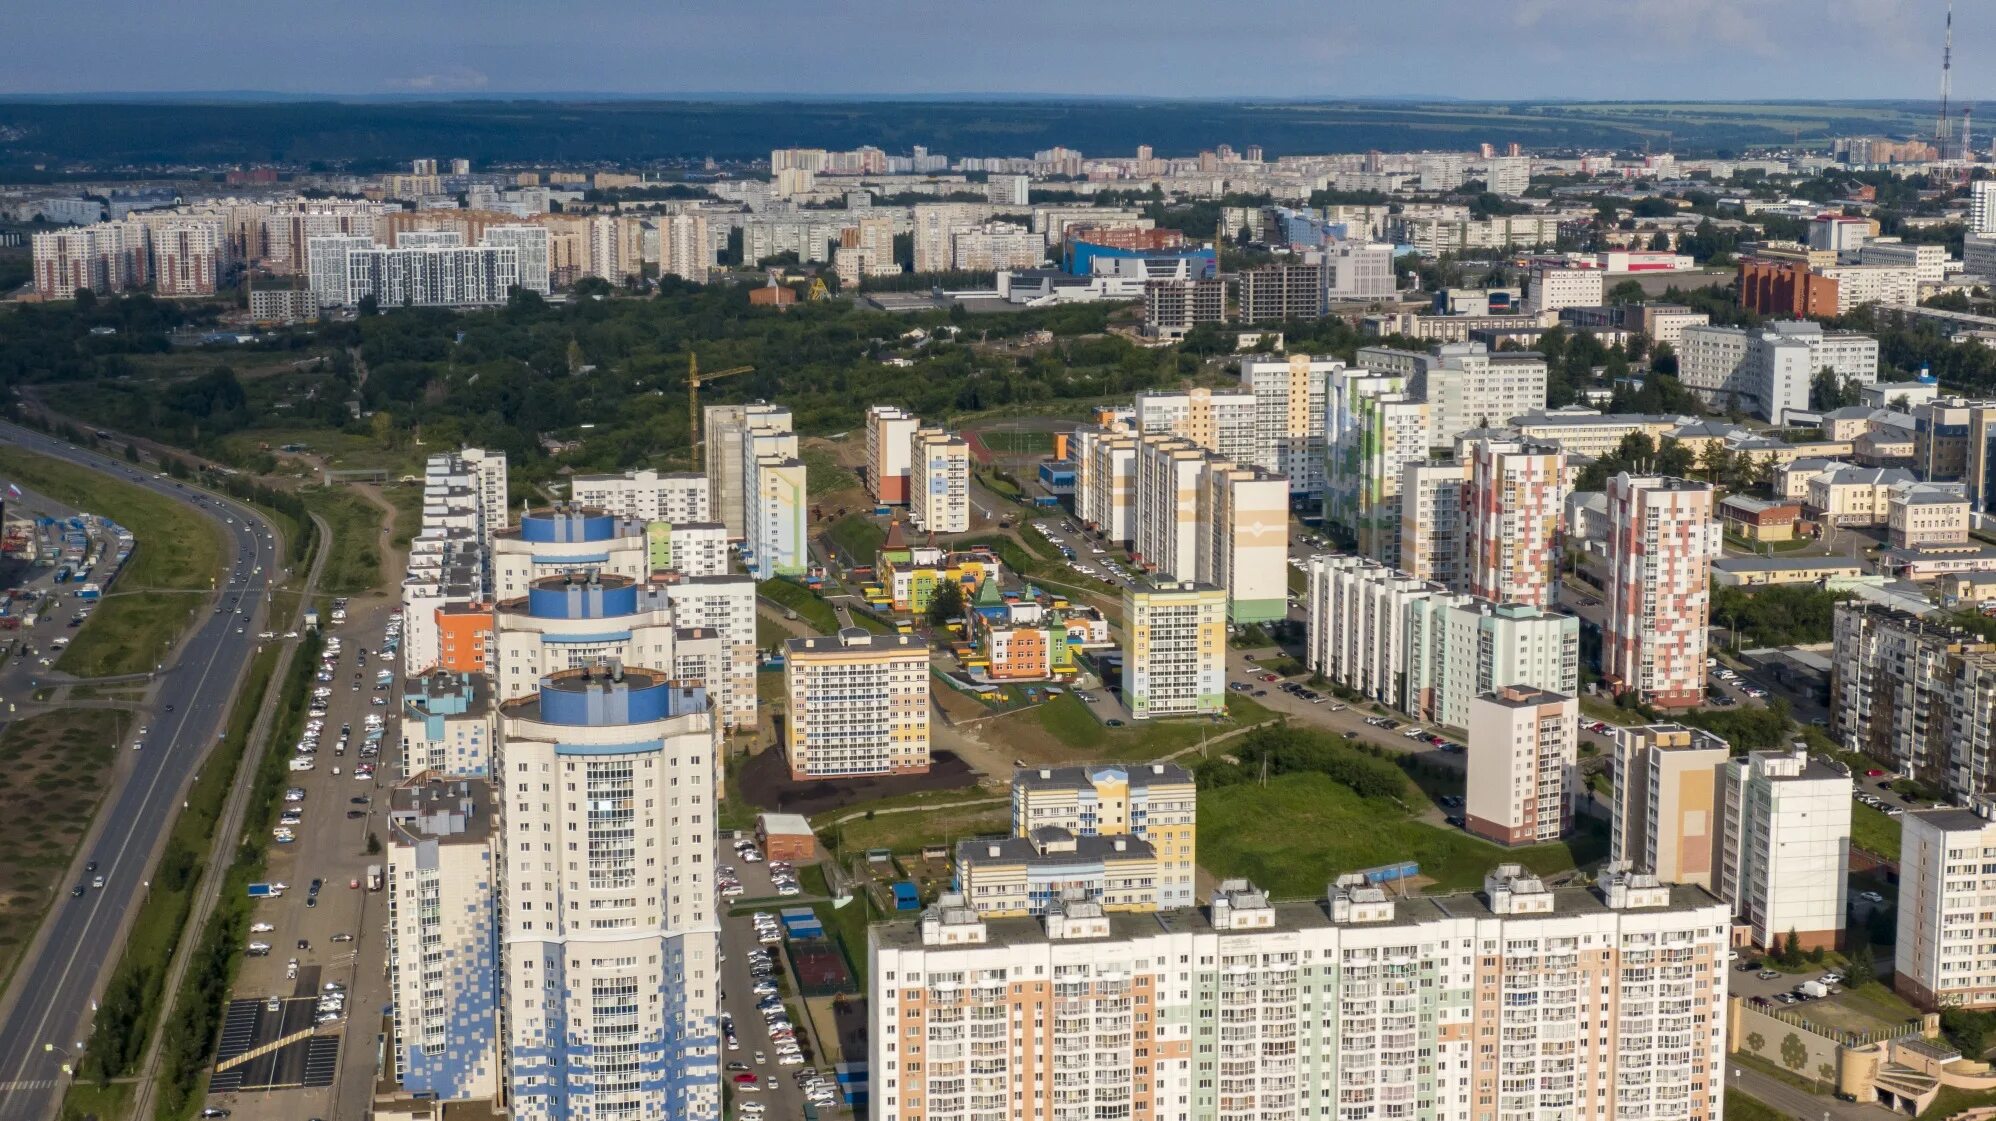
x,y
694,379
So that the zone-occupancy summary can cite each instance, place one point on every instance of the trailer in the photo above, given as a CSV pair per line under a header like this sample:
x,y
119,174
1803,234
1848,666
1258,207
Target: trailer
x,y
264,891
374,877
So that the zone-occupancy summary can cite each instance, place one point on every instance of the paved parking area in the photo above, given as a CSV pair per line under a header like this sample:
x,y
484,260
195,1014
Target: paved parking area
x,y
332,1073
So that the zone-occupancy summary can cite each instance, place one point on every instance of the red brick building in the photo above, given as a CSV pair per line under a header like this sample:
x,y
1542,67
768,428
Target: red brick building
x,y
1786,288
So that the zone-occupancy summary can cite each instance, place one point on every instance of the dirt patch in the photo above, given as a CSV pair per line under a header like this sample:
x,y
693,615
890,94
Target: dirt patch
x,y
53,770
766,784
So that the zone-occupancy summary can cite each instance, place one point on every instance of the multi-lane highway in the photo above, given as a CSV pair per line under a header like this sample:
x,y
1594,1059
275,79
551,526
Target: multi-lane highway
x,y
49,1002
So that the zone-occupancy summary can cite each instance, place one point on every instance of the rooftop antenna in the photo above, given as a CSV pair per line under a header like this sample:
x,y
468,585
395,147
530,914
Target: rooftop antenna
x,y
1943,124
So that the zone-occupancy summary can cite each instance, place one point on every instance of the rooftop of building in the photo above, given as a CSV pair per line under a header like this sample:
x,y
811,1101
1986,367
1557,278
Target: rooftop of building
x,y
1313,914
1678,737
1748,504
1788,564
857,640
470,692
1853,475
1518,696
1050,845
1089,774
440,808
1969,551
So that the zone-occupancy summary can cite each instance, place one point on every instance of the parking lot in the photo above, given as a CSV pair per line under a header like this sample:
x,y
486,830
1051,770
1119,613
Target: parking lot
x,y
322,916
772,1053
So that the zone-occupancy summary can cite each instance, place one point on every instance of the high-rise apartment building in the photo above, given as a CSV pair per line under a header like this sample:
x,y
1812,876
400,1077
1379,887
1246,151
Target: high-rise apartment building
x,y
611,949
686,247
1243,540
1982,208
1105,479
1432,545
1154,802
1524,765
1664,806
939,482
566,541
1226,422
1474,647
1512,507
1661,542
1372,425
673,497
1275,293
1465,385
448,724
532,246
1608,1003
935,227
1784,846
1357,626
995,245
1291,399
105,257
1767,371
1169,471
443,889
858,705
1173,307
1174,649
1917,695
429,276
724,428
890,433
186,258
1943,956
1510,176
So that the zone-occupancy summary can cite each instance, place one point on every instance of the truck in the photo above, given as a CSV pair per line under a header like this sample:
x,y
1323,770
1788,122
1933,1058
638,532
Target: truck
x,y
374,877
265,891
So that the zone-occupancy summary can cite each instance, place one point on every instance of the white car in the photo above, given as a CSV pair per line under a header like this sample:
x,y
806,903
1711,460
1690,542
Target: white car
x,y
261,928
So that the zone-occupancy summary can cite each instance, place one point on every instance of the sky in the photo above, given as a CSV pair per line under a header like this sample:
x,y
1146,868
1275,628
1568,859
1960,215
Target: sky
x,y
1477,49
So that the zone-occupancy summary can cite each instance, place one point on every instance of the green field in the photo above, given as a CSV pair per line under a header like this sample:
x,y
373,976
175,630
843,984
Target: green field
x,y
354,556
860,536
823,475
1018,443
1874,832
53,770
909,832
1063,730
811,610
176,560
1295,834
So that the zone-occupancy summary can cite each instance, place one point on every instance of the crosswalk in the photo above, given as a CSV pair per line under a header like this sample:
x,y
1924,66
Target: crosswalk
x,y
28,1084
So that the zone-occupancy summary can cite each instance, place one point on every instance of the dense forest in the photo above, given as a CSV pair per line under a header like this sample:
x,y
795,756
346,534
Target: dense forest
x,y
505,377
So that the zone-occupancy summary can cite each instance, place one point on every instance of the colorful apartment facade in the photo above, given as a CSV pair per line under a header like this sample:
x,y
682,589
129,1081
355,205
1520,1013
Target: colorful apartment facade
x,y
1174,650
1661,543
1154,802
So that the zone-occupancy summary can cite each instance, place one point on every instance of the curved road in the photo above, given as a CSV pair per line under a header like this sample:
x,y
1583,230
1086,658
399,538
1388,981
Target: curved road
x,y
50,1001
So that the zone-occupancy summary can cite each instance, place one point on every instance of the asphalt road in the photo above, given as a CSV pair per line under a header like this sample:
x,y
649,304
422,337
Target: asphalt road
x,y
51,1000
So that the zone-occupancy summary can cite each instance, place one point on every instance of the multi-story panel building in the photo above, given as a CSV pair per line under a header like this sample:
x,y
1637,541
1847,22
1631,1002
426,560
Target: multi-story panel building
x,y
1105,480
187,257
1943,957
686,247
1917,695
935,228
1357,626
1166,524
1174,649
532,245
326,269
774,488
1292,396
1243,540
1372,427
1661,542
1155,802
1226,422
995,245
1512,509
1362,1006
106,257
1012,877
1768,371
1784,846
1173,307
859,705
1484,647
1465,385
1524,765
890,433
673,497
1664,806
725,428
939,482
1556,288
447,725
443,938
1431,522
611,950
1275,293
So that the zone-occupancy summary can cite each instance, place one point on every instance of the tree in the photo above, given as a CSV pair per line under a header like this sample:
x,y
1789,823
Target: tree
x,y
1627,292
947,603
1828,392
131,453
1793,950
1858,968
1663,360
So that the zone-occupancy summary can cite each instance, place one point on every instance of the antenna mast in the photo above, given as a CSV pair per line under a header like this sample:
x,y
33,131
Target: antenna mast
x,y
1943,124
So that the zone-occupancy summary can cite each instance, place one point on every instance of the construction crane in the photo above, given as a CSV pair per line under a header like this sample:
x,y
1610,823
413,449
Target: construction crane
x,y
694,378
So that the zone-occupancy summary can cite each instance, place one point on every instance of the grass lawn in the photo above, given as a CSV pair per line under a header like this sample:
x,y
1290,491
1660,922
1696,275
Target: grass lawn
x,y
87,1101
813,611
1874,832
1947,1103
1739,1107
1018,443
407,498
908,832
1294,835
1610,712
53,770
847,925
823,474
177,558
859,535
353,560
1063,730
